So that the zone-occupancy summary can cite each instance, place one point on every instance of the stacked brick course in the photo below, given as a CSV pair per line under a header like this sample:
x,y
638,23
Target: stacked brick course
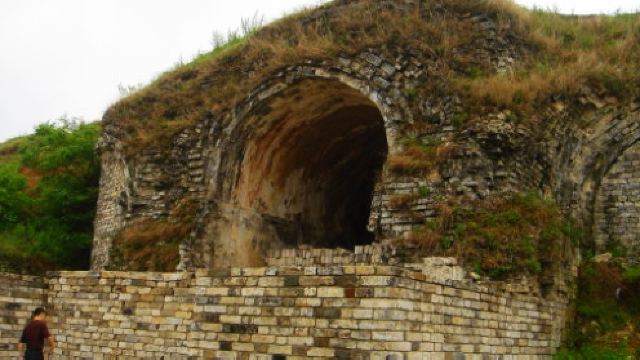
x,y
19,295
409,311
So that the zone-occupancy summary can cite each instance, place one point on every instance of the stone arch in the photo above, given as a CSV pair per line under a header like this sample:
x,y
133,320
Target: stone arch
x,y
587,158
616,218
304,158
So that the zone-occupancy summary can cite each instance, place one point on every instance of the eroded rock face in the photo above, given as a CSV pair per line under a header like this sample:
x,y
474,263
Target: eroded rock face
x,y
305,159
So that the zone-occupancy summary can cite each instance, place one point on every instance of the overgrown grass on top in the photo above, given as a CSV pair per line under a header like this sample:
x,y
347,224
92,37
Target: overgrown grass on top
x,y
574,52
223,43
598,52
219,79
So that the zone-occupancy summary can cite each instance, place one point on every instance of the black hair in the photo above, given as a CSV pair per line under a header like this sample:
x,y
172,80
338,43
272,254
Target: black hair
x,y
38,311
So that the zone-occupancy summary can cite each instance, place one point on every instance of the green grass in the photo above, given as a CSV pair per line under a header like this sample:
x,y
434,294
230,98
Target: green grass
x,y
607,313
424,191
632,274
595,352
218,52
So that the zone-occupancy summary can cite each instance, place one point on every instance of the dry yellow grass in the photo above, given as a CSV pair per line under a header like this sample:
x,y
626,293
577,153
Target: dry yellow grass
x,y
403,201
598,52
419,160
218,80
567,54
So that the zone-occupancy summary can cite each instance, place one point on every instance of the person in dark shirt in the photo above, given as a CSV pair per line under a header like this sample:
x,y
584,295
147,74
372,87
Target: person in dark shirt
x,y
33,336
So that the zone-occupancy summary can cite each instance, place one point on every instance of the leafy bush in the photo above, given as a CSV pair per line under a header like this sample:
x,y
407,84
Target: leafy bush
x,y
48,193
13,200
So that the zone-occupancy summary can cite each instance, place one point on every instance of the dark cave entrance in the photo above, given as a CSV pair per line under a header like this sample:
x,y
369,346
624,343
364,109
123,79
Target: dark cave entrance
x,y
313,164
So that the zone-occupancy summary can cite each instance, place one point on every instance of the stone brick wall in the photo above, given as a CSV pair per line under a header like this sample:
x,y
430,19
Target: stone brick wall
x,y
617,213
326,308
19,295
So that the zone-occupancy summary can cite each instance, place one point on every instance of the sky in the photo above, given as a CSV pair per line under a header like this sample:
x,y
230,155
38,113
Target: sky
x,y
68,57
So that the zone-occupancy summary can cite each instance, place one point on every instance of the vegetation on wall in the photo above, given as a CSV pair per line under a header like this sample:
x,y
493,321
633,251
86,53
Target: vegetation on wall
x,y
153,244
49,180
48,192
501,236
418,158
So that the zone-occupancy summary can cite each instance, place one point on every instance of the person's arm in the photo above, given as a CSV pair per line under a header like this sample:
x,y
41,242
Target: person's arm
x,y
20,350
52,344
49,338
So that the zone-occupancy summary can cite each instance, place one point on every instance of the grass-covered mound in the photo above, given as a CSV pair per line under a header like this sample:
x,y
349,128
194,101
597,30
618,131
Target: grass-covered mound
x,y
561,56
48,194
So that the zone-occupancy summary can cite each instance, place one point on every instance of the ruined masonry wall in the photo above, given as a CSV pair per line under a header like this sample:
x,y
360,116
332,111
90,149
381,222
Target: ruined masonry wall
x,y
198,164
19,295
110,216
329,311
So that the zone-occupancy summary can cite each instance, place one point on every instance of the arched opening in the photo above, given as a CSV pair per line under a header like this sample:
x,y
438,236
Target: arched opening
x,y
310,165
617,207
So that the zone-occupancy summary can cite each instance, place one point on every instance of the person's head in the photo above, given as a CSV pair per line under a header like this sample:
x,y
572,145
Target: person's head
x,y
39,314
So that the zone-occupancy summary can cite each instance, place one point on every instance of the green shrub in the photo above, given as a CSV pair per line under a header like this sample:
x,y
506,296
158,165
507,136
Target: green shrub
x,y
424,191
460,119
13,200
605,312
46,215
